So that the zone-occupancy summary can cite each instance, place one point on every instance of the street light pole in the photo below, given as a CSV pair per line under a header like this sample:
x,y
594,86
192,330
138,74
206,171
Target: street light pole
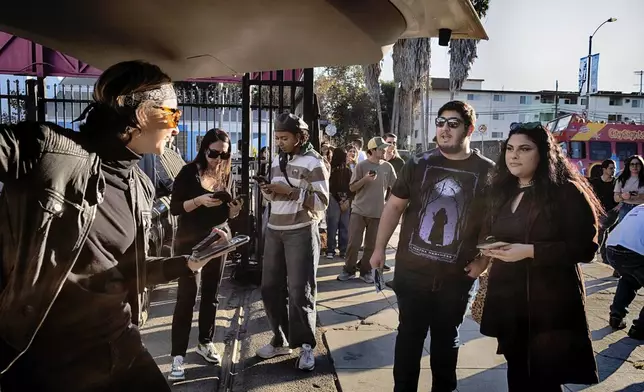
x,y
588,63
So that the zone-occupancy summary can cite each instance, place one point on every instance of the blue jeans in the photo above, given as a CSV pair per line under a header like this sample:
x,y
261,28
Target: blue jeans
x,y
337,222
631,266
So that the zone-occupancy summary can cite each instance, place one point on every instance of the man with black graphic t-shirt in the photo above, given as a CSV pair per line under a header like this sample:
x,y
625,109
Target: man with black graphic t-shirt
x,y
437,261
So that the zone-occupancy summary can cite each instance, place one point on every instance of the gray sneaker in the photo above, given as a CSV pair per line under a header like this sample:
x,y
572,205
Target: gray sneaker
x,y
209,352
344,276
367,278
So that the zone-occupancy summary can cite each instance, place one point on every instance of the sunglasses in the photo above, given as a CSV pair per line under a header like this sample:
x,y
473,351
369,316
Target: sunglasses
x,y
451,122
172,115
214,154
635,164
527,126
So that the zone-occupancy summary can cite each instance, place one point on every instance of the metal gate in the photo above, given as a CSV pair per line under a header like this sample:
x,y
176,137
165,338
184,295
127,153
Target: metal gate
x,y
245,110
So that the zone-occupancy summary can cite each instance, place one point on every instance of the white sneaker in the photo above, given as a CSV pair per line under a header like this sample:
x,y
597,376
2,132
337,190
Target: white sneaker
x,y
367,278
330,256
177,373
209,352
269,351
307,359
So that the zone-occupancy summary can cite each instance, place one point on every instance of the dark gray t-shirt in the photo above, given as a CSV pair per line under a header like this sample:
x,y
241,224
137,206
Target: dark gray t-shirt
x,y
442,222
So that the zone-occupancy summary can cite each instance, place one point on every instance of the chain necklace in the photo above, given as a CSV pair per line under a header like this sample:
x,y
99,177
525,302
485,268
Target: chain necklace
x,y
528,184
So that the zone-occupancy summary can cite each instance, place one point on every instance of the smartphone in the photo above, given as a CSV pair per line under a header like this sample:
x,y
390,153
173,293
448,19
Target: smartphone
x,y
491,243
224,196
260,180
378,280
372,173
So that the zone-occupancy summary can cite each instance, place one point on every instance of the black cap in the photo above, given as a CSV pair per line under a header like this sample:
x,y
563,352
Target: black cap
x,y
290,123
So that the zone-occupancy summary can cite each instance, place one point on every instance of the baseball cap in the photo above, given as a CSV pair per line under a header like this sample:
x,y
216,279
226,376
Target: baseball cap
x,y
377,142
288,122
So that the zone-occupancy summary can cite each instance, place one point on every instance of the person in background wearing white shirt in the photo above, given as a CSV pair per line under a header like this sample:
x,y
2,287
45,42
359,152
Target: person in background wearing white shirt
x,y
625,252
358,143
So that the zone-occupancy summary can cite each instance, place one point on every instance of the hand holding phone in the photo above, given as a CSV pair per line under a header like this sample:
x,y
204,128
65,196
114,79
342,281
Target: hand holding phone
x,y
491,243
223,196
261,180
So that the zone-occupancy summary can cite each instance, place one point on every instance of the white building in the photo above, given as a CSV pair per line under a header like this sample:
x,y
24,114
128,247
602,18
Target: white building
x,y
497,109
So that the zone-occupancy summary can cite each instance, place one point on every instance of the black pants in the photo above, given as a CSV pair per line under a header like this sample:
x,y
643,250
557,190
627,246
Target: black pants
x,y
121,366
210,279
519,380
607,224
439,309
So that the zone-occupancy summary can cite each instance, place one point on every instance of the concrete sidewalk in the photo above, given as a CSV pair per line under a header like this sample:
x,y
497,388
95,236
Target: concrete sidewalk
x,y
360,328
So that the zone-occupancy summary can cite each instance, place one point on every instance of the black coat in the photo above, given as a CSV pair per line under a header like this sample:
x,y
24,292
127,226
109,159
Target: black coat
x,y
559,342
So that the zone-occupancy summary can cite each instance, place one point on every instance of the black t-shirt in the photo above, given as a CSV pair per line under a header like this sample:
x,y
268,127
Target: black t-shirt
x,y
195,225
398,163
605,192
441,224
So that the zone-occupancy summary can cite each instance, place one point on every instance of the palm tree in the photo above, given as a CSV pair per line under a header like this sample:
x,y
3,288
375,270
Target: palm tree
x,y
463,53
411,58
372,82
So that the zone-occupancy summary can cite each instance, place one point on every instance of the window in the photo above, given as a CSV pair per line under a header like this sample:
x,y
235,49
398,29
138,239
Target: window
x,y
625,150
600,151
525,100
583,101
546,116
497,116
570,101
577,150
616,102
473,97
499,98
497,135
614,117
416,134
547,99
635,103
525,118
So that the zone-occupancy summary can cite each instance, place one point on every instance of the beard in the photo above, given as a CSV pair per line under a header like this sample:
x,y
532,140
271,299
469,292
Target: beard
x,y
459,146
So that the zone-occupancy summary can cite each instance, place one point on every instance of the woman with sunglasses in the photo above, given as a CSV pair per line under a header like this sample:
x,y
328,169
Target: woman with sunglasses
x,y
629,187
75,215
544,217
195,201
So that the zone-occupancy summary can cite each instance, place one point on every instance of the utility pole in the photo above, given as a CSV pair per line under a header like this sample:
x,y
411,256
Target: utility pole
x,y
556,98
641,75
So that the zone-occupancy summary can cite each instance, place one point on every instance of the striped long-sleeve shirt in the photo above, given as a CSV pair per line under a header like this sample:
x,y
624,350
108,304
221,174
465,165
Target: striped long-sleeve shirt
x,y
308,173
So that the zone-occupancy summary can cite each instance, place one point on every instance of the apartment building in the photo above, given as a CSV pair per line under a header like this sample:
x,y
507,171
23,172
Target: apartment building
x,y
497,109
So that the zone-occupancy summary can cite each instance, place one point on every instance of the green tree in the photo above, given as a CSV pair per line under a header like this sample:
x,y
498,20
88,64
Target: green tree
x,y
344,101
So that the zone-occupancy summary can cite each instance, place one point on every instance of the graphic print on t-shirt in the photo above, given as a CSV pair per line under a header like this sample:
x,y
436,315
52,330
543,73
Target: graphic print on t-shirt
x,y
446,195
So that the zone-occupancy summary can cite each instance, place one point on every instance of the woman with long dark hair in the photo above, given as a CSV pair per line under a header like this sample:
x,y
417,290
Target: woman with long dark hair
x,y
75,213
194,201
338,213
547,215
629,187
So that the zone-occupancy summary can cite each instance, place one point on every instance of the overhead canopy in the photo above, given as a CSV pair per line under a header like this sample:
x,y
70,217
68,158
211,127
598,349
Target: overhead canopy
x,y
205,38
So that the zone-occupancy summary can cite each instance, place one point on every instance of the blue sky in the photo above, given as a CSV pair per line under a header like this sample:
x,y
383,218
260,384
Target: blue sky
x,y
535,42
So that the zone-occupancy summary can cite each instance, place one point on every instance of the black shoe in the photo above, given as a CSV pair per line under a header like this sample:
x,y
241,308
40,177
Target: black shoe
x,y
616,274
636,333
386,267
617,322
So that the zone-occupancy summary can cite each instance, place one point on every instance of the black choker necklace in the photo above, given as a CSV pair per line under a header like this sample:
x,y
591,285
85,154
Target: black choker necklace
x,y
526,185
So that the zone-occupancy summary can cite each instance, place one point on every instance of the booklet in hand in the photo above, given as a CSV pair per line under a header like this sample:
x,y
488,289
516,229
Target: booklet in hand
x,y
378,280
209,246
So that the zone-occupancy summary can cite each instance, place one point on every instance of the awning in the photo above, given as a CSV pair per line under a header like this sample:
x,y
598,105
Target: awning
x,y
205,38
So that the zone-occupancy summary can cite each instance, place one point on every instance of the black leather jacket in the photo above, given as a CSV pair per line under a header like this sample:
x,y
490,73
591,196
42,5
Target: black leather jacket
x,y
52,185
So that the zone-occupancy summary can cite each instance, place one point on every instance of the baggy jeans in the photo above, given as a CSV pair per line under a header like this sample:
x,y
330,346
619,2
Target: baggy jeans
x,y
289,286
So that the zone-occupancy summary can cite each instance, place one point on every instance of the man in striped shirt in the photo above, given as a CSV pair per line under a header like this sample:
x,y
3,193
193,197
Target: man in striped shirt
x,y
299,195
